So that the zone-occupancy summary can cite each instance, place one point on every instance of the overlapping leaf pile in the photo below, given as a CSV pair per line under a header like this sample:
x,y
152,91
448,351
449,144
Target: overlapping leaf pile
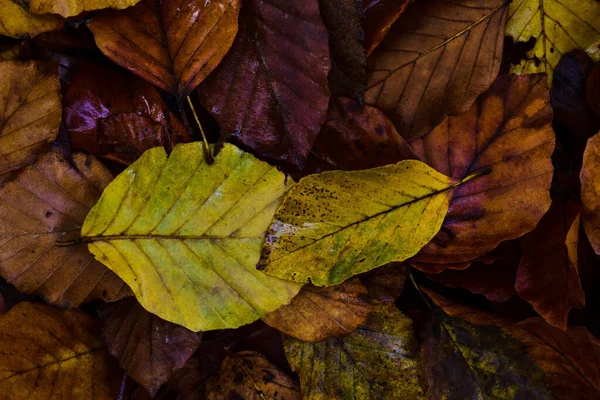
x,y
321,199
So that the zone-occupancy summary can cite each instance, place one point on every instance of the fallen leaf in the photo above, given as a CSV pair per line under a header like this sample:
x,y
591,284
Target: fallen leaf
x,y
354,137
343,20
507,130
386,283
549,264
148,348
590,192
47,203
593,89
70,8
379,17
379,360
10,51
249,375
186,235
557,27
32,112
316,314
271,92
173,45
16,21
338,224
466,361
187,383
117,116
53,352
435,61
3,308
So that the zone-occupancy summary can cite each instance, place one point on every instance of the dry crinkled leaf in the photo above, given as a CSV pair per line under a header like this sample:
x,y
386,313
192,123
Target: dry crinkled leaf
x,y
338,224
436,60
52,353
186,235
172,44
379,360
556,27
270,92
70,8
316,314
379,17
32,111
250,376
46,203
590,192
148,348
507,131
16,21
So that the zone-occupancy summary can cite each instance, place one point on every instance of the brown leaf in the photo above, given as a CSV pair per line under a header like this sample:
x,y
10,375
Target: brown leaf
x,y
590,192
356,137
436,60
52,353
270,92
380,15
32,112
48,202
593,89
386,283
187,383
148,348
174,45
248,375
70,8
548,275
343,19
117,116
507,132
319,313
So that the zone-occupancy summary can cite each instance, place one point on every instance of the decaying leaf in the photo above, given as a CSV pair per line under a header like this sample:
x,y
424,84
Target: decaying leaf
x,y
556,27
435,61
53,353
338,224
379,17
32,111
507,131
378,361
186,235
316,314
250,376
69,8
148,348
174,45
271,92
16,21
46,203
386,283
590,192
466,361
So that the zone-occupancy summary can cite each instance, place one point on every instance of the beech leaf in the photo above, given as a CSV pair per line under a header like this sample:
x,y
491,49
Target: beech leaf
x,y
590,191
186,235
379,17
338,224
70,8
16,21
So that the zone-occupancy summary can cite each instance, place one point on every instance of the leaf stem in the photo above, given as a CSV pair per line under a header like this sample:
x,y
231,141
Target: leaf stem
x,y
476,174
209,157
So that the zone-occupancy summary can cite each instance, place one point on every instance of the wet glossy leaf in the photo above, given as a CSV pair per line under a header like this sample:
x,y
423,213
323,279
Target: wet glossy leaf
x,y
316,314
16,21
32,112
148,348
271,93
46,203
171,44
186,235
53,352
590,192
435,61
379,360
379,17
508,131
338,224
249,375
557,27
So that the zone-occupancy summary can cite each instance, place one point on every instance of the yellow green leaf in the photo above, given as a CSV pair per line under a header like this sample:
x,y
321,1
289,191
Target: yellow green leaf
x,y
337,224
186,235
555,27
16,21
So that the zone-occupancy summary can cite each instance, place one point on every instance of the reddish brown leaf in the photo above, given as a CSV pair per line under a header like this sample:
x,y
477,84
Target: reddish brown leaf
x,y
117,116
380,15
593,89
386,283
148,348
174,45
590,192
356,137
3,309
548,277
270,92
507,133
48,202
